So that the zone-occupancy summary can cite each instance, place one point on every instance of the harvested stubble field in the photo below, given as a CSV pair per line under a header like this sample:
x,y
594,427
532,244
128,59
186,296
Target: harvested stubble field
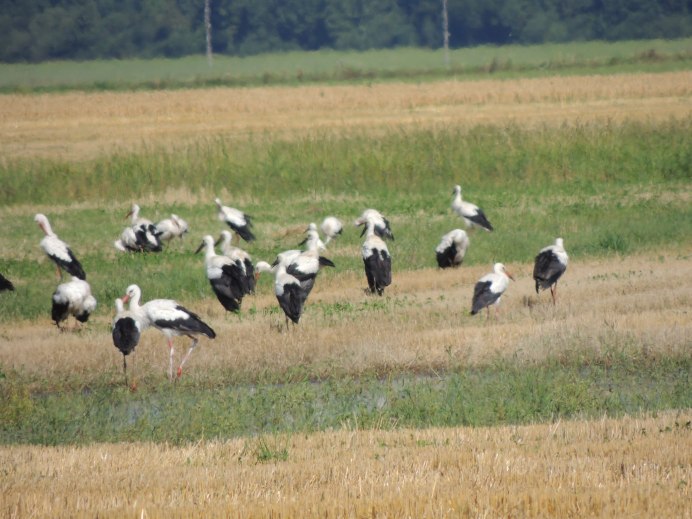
x,y
632,467
333,418
77,126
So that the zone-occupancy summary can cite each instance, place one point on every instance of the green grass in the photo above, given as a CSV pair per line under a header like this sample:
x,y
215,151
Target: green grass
x,y
600,187
614,383
302,67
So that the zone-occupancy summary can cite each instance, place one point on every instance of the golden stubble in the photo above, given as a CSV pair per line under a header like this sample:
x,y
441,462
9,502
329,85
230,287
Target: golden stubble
x,y
77,126
637,466
421,325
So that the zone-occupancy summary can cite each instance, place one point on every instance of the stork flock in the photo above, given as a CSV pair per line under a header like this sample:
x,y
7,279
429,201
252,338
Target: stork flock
x,y
232,274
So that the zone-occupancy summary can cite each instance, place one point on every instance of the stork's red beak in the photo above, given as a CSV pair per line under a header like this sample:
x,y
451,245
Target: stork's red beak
x,y
510,276
125,298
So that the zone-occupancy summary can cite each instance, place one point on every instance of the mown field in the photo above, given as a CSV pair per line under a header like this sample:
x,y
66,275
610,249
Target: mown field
x,y
403,405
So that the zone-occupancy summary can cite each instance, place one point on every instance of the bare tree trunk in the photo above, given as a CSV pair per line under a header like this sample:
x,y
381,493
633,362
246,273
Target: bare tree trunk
x,y
445,32
207,26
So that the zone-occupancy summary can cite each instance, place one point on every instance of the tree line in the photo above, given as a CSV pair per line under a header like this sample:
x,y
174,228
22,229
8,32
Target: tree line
x,y
41,30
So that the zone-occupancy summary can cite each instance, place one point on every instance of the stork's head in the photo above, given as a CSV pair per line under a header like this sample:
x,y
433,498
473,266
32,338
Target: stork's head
x,y
42,222
456,190
132,293
260,267
499,268
208,243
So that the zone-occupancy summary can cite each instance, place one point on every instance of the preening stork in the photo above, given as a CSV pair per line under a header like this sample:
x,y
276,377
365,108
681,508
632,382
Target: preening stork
x,y
472,215
238,254
140,238
173,227
489,289
380,223
72,298
171,319
58,251
331,228
226,276
5,284
288,289
550,264
127,329
377,260
237,220
452,249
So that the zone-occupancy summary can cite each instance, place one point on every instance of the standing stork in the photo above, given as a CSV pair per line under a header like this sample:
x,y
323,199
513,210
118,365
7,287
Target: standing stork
x,y
127,329
237,254
237,220
5,284
305,265
377,260
380,223
58,251
226,276
550,264
489,289
173,227
139,238
171,319
332,228
72,298
472,215
289,291
452,249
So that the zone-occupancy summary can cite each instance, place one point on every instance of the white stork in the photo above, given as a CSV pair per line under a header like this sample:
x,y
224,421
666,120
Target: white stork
x,y
173,227
489,289
171,319
305,265
452,249
226,276
58,251
289,291
331,228
237,220
377,260
5,284
380,223
127,329
238,254
472,215
551,263
72,298
139,238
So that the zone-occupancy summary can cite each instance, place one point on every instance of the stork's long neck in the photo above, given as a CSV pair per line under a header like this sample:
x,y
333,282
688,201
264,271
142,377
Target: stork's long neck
x,y
369,229
47,228
134,302
226,246
209,251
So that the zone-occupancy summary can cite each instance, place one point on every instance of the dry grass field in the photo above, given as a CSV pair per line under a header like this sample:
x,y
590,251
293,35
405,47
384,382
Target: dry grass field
x,y
635,305
76,126
634,467
639,303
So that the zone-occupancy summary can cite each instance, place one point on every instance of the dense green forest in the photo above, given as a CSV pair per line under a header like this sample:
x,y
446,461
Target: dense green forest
x,y
41,30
